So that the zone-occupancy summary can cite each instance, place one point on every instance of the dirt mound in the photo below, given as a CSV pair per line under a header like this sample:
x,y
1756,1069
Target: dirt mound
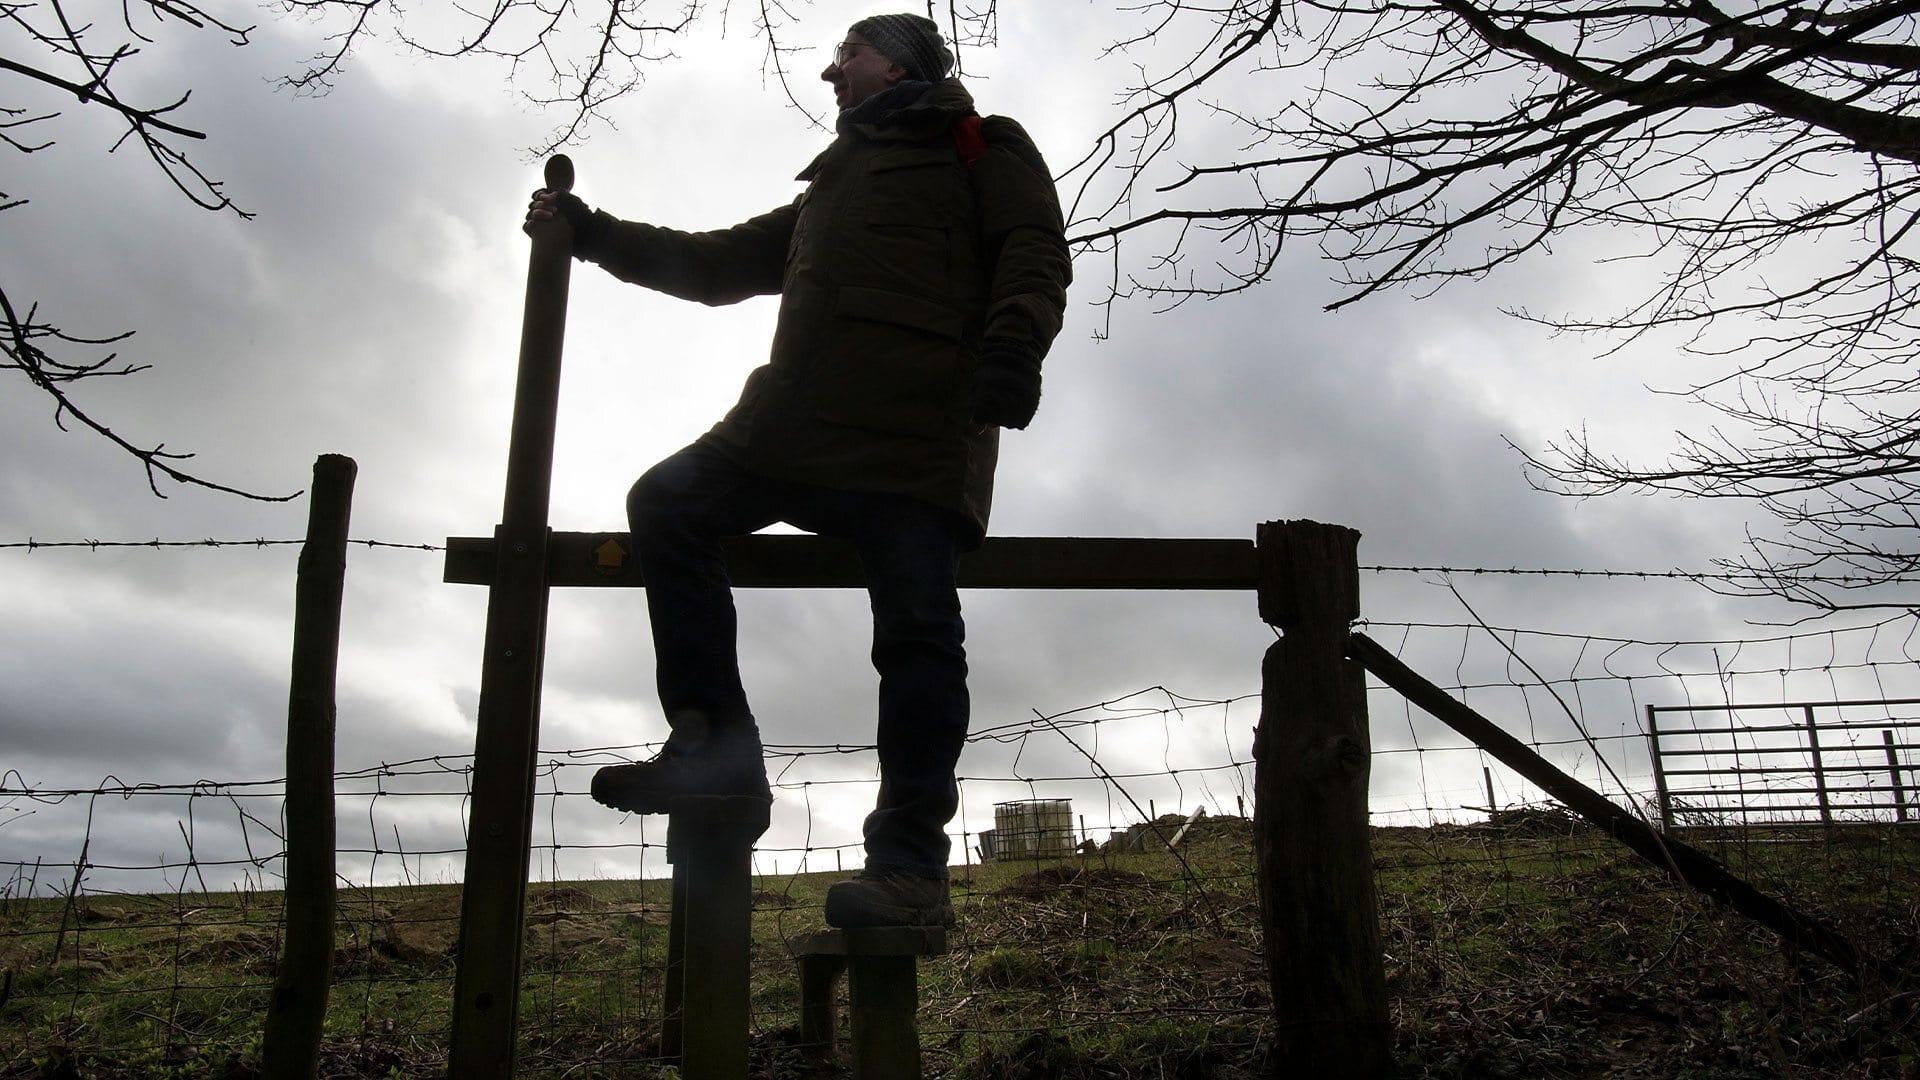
x,y
1217,955
646,915
571,933
1222,826
1542,822
99,913
562,899
1055,879
228,944
421,930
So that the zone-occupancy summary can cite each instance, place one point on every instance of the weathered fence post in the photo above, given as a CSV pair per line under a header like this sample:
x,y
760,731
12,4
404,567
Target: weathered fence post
x,y
1312,847
297,1012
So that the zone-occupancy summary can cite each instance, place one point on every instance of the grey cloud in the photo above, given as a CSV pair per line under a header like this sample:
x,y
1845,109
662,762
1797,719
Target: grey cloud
x,y
372,309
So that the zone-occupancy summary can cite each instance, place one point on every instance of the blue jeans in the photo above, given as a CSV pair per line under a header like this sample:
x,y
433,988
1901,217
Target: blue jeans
x,y
909,551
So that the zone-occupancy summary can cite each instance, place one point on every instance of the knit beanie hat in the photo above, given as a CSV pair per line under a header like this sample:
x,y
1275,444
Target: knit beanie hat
x,y
912,41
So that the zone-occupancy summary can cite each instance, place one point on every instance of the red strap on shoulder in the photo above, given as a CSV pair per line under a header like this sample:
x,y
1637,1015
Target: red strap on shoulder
x,y
969,140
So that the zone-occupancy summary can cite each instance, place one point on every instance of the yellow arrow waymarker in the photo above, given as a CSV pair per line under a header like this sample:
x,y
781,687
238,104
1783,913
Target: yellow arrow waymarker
x,y
609,556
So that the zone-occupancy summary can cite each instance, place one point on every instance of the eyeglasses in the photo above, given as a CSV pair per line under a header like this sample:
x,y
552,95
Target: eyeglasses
x,y
845,51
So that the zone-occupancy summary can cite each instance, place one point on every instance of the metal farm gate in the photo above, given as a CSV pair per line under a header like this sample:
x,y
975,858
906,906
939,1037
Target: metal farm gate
x,y
1785,763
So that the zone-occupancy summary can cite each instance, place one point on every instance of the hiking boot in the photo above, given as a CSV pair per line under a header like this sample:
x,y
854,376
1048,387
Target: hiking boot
x,y
699,759
888,898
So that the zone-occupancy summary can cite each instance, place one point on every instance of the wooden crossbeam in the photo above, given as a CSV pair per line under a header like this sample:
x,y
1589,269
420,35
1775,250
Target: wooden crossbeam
x,y
604,560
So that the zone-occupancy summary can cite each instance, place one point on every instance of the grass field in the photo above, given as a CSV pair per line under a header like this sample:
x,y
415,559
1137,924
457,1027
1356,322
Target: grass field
x,y
1527,948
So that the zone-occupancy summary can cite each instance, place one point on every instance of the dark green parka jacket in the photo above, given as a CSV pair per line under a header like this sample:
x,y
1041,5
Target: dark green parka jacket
x,y
894,266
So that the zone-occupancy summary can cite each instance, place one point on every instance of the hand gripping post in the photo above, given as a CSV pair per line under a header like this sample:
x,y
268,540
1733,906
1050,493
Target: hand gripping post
x,y
500,825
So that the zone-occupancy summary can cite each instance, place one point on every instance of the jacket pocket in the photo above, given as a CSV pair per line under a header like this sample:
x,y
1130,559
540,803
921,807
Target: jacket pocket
x,y
892,363
910,186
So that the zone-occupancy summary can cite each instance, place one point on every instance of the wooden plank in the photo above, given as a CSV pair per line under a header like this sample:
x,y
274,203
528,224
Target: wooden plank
x,y
1312,845
602,560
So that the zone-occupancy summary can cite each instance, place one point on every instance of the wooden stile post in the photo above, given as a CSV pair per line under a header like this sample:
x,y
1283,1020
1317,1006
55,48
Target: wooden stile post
x,y
883,990
486,988
819,1021
1312,847
883,994
708,1001
297,1013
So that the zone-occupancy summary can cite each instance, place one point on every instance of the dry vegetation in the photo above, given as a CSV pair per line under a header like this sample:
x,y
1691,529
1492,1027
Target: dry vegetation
x,y
1526,947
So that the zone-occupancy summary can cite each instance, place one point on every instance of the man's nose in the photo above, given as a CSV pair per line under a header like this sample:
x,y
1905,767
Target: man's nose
x,y
827,72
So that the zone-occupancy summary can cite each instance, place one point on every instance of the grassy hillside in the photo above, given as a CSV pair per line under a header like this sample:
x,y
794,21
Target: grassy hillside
x,y
1526,948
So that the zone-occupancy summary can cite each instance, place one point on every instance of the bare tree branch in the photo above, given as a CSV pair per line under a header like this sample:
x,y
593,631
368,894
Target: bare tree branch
x,y
20,346
1768,157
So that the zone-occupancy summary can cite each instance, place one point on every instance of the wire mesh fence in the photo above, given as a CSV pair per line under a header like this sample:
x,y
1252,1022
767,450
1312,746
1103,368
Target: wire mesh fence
x,y
140,922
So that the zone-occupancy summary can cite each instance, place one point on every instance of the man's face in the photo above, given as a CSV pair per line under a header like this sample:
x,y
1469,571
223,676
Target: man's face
x,y
859,71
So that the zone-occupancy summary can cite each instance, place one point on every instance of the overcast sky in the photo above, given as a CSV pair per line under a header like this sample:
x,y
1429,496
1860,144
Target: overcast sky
x,y
371,308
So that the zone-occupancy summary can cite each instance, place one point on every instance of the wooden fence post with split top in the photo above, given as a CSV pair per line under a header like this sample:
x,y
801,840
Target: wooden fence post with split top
x,y
1312,849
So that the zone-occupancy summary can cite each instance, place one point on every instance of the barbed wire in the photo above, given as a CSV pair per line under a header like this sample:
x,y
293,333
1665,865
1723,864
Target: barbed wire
x,y
31,545
1649,575
1568,635
1750,576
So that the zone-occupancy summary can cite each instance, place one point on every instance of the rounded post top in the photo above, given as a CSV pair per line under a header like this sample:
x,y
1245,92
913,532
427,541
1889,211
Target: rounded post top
x,y
559,173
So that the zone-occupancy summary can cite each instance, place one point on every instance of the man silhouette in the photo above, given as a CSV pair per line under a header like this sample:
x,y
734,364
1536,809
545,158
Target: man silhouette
x,y
922,276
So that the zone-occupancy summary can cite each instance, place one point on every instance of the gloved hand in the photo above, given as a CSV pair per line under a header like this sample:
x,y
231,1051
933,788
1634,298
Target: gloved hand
x,y
588,227
1006,384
